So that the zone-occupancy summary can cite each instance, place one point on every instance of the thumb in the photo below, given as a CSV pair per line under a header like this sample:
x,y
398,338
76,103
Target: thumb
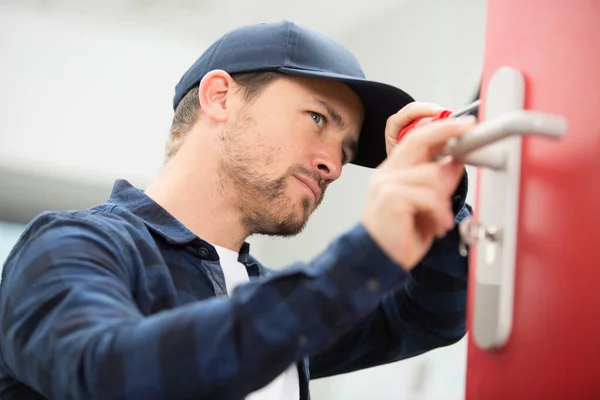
x,y
408,114
427,141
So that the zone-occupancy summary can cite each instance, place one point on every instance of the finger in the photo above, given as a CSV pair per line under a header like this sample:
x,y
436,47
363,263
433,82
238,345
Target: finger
x,y
427,175
440,178
408,114
427,226
451,172
443,176
429,140
428,203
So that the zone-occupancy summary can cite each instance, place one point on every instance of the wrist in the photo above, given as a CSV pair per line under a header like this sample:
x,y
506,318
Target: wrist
x,y
393,252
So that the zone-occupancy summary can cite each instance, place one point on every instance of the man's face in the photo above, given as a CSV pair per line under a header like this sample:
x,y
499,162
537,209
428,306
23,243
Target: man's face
x,y
282,149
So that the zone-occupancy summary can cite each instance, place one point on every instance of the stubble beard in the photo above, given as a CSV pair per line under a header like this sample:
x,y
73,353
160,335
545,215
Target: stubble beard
x,y
263,201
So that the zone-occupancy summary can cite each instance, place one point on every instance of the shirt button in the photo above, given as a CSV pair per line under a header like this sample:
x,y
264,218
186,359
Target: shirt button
x,y
302,340
202,252
372,285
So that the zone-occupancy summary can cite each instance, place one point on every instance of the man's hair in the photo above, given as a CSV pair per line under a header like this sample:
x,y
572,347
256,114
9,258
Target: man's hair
x,y
188,109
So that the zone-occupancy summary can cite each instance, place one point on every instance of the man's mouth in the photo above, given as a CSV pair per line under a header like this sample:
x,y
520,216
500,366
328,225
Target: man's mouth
x,y
311,184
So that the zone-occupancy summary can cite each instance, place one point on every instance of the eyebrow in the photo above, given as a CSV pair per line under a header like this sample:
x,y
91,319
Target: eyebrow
x,y
332,113
335,116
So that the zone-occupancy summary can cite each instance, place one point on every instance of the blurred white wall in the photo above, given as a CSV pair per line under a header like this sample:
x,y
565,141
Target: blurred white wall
x,y
85,98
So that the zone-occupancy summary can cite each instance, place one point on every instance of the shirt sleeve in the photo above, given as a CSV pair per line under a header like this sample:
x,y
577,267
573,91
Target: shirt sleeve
x,y
427,312
70,327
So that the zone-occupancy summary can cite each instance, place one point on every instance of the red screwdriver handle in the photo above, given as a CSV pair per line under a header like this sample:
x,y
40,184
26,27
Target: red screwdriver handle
x,y
422,121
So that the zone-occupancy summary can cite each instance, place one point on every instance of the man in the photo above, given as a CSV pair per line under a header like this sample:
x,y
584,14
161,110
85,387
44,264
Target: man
x,y
154,295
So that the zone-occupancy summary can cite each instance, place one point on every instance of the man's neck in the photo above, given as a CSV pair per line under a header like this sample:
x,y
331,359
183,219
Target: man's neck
x,y
199,203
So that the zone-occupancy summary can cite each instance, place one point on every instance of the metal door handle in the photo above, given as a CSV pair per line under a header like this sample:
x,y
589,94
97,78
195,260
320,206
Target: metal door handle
x,y
495,145
512,123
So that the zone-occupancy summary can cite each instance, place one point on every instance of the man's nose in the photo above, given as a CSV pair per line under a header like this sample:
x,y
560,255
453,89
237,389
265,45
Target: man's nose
x,y
329,165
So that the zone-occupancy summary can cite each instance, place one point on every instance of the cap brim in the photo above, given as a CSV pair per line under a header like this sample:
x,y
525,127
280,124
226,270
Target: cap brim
x,y
379,100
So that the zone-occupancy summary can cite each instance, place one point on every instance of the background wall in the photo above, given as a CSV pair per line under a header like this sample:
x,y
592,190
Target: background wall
x,y
86,89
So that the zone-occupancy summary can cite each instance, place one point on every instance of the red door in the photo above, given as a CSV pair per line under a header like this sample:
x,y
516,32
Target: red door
x,y
553,350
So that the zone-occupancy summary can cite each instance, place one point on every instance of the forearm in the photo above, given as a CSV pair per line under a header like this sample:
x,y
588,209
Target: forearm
x,y
79,335
428,312
433,303
409,322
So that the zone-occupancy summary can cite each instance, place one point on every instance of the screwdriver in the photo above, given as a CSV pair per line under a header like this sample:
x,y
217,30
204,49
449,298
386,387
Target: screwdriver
x,y
472,107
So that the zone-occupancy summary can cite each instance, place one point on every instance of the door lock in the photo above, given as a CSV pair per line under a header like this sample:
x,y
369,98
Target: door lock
x,y
472,231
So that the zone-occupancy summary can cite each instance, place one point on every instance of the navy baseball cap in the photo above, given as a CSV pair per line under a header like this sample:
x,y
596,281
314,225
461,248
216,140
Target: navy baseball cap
x,y
291,49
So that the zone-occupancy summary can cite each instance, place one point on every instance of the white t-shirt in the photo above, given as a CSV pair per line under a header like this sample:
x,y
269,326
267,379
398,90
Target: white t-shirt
x,y
284,387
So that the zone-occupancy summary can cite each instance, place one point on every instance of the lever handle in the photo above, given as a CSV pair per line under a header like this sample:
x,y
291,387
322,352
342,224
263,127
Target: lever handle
x,y
513,123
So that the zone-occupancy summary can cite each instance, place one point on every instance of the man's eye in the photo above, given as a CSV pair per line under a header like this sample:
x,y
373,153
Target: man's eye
x,y
318,118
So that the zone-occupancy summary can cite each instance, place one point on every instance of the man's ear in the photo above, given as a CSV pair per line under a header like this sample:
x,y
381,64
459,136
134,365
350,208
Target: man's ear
x,y
213,91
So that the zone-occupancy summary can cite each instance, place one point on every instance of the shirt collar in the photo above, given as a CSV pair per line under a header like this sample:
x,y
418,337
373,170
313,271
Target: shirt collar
x,y
156,217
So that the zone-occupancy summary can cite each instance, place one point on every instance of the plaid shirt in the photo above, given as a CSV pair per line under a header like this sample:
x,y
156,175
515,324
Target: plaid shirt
x,y
122,301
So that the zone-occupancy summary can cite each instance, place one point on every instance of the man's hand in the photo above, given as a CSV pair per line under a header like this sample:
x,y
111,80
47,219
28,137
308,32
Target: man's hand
x,y
409,199
405,116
